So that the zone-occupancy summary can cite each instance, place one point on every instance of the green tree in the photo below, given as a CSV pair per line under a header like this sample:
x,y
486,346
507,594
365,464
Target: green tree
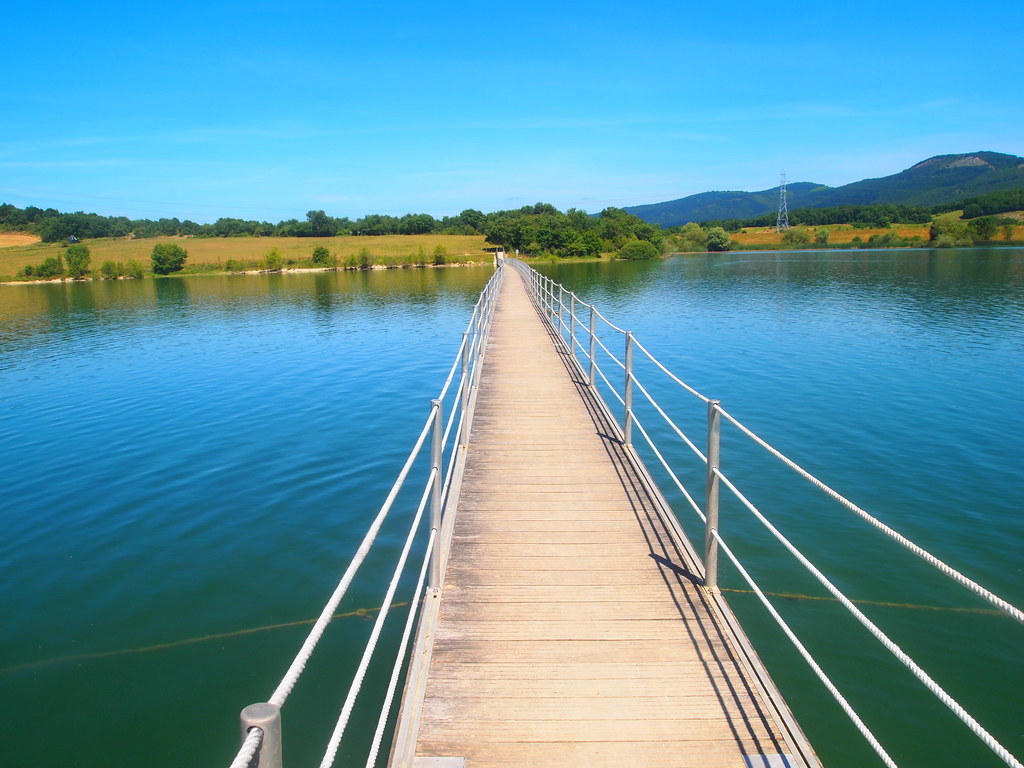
x,y
51,267
133,269
440,255
273,260
112,270
1007,231
948,231
78,260
693,237
796,237
167,258
821,236
718,239
638,250
984,228
321,225
321,256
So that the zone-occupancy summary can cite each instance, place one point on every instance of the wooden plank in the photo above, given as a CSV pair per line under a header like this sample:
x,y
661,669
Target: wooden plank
x,y
563,638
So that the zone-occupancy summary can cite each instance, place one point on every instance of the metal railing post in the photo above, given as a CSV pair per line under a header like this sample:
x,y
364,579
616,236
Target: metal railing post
x,y
572,324
711,498
436,460
266,717
559,309
464,400
593,317
627,422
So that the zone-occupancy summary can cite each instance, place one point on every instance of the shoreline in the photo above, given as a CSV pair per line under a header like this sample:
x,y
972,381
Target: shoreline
x,y
217,273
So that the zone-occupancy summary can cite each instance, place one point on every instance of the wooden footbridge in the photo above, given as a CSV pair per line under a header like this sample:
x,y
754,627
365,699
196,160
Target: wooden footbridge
x,y
562,617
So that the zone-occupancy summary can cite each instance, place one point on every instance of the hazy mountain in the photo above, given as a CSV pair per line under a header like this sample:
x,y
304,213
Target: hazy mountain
x,y
941,179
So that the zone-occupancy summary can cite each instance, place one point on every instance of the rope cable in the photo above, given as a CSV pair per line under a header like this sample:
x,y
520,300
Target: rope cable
x,y
371,644
899,538
299,663
847,708
884,639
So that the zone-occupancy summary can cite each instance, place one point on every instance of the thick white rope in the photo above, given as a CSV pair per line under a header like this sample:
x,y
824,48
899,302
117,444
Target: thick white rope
x,y
676,480
669,373
250,746
892,647
299,664
929,558
378,625
850,713
608,352
610,387
396,671
671,423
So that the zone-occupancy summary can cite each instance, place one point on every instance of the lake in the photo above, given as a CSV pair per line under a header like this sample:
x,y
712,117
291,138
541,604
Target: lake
x,y
190,463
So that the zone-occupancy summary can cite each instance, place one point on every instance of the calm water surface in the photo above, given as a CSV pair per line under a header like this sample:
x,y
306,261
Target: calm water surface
x,y
186,460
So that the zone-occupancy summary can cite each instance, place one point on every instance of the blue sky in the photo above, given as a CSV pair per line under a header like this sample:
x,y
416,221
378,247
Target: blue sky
x,y
267,110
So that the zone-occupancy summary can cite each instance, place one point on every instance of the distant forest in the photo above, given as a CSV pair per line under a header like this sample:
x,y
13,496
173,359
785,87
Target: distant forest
x,y
534,229
883,214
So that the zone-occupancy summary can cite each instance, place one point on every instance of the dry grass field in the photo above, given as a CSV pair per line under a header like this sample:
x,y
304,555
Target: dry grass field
x,y
838,234
220,250
17,238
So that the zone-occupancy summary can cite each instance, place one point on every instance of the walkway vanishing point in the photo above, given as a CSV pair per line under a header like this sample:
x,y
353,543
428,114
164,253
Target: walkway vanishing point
x,y
573,628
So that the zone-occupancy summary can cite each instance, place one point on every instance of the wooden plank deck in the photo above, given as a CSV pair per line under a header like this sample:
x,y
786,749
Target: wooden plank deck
x,y
571,630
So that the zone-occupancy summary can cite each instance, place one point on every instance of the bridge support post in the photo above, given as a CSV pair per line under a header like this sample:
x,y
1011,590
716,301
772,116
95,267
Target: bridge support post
x,y
266,717
467,356
558,309
593,317
711,498
572,324
627,396
436,462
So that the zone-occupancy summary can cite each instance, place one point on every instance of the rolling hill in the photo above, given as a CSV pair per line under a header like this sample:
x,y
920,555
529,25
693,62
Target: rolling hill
x,y
940,179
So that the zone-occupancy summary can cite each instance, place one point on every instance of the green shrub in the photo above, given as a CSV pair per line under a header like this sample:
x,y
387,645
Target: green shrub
x,y
718,239
440,255
321,256
234,265
638,250
78,260
273,260
365,258
822,236
167,258
29,269
133,269
51,267
796,237
111,270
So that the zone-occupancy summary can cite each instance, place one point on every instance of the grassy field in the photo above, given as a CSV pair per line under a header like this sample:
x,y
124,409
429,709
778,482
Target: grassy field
x,y
390,250
843,234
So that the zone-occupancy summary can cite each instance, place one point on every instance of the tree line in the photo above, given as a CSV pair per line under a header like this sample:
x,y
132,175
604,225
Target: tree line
x,y
882,215
536,230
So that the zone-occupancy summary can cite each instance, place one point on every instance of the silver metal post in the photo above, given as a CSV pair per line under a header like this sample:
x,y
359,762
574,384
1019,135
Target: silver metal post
x,y
593,317
711,499
436,460
560,292
572,324
628,394
266,717
464,404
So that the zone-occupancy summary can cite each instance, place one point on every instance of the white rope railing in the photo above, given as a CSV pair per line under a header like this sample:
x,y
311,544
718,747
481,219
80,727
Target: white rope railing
x,y
929,558
378,625
250,746
829,685
884,639
476,331
396,670
299,664
631,421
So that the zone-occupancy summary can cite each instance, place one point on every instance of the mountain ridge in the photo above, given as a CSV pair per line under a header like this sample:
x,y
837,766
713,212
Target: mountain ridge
x,y
933,181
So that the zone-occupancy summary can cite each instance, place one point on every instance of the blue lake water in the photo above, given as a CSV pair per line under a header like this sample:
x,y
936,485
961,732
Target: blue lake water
x,y
189,459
